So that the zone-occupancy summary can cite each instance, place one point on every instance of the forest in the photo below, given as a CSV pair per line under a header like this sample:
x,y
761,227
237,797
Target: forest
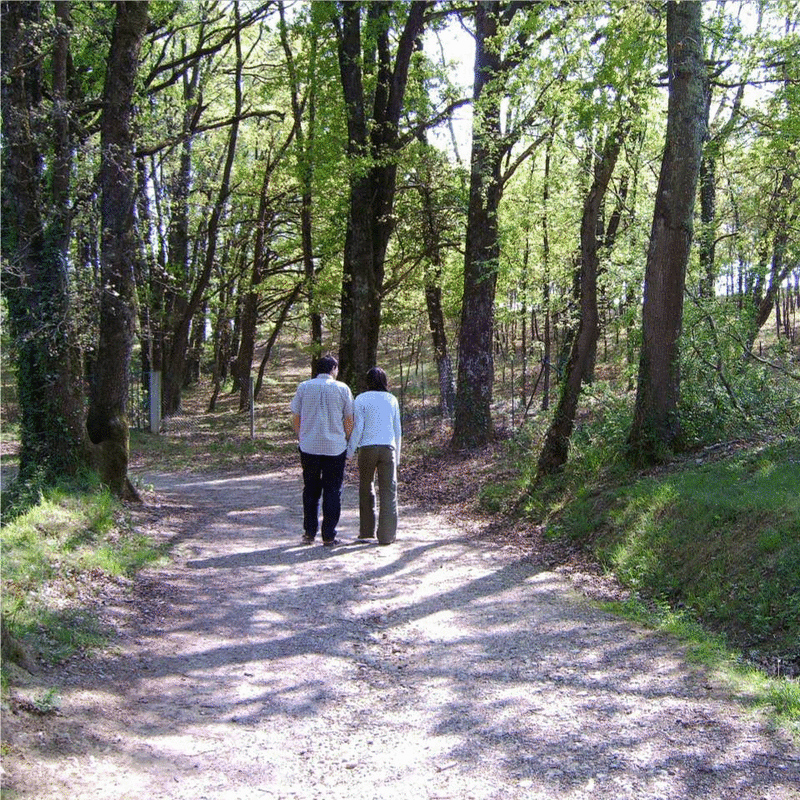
x,y
551,204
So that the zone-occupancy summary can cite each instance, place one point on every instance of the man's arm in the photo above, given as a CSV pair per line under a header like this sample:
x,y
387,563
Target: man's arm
x,y
296,424
348,412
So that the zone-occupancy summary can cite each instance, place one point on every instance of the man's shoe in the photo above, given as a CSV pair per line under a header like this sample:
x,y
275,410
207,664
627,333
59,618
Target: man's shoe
x,y
331,543
366,535
308,538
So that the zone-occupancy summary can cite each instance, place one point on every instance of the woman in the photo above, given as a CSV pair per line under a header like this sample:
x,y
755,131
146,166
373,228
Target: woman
x,y
377,437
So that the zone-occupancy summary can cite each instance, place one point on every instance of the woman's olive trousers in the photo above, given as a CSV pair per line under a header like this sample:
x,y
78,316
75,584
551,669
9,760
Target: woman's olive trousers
x,y
377,460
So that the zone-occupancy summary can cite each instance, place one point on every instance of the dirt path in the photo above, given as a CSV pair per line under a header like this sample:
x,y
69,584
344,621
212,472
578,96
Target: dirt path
x,y
438,667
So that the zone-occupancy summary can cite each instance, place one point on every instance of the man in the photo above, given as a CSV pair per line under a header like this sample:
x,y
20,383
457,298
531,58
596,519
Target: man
x,y
322,415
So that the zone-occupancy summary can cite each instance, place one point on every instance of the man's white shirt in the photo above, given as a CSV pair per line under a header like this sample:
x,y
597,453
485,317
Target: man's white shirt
x,y
323,404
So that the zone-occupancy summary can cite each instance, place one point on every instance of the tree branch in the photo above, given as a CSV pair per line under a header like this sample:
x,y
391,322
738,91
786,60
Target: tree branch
x,y
223,123
414,133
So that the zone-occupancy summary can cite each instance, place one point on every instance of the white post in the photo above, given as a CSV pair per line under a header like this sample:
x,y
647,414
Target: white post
x,y
252,409
155,402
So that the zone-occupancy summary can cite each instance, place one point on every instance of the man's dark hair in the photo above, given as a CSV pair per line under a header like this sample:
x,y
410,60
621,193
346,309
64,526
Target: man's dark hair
x,y
326,364
376,380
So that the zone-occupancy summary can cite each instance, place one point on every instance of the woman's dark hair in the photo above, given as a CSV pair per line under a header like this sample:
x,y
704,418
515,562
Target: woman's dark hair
x,y
376,380
326,365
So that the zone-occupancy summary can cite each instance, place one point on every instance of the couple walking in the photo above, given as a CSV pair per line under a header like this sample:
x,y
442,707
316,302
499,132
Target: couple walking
x,y
331,427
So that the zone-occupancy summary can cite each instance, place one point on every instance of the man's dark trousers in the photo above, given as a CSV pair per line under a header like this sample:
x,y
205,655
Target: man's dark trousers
x,y
322,476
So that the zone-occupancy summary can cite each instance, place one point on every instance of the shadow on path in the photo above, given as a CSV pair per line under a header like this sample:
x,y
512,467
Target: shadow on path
x,y
436,667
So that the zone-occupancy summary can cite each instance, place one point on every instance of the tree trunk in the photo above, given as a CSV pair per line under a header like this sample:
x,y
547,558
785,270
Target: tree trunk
x,y
584,345
170,288
107,420
305,167
708,192
777,238
547,342
473,417
222,348
708,234
36,283
655,430
285,308
244,361
432,236
172,284
372,191
175,364
444,367
314,316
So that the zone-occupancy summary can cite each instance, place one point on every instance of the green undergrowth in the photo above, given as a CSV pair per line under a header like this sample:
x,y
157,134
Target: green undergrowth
x,y
709,547
58,553
719,538
194,453
199,440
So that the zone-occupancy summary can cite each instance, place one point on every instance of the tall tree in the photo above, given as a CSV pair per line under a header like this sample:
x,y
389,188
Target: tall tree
x,y
107,421
432,240
35,239
778,237
547,350
473,416
623,46
655,429
721,57
169,286
584,345
373,132
491,145
265,229
196,106
175,358
304,113
775,266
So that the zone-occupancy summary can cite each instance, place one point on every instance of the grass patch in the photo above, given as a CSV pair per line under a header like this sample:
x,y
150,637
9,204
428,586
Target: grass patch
x,y
709,547
720,540
711,551
47,702
495,498
57,554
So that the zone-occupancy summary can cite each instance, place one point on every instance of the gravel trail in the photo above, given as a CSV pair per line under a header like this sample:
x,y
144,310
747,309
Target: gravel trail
x,y
442,666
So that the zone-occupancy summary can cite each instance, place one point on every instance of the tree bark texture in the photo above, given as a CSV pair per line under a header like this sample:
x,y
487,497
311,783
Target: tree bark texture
x,y
372,143
655,429
107,420
249,318
35,242
584,345
432,236
473,417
